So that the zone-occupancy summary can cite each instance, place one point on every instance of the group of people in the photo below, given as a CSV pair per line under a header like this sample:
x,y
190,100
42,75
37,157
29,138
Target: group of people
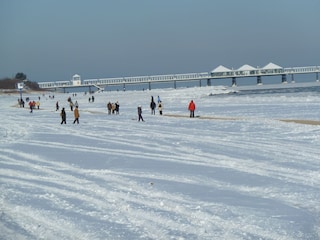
x,y
75,111
191,108
64,116
33,105
113,107
71,104
153,106
91,99
21,102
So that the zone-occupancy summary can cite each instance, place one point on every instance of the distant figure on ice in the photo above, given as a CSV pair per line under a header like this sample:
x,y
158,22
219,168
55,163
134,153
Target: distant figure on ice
x,y
160,107
63,116
140,114
159,99
57,106
76,115
192,108
31,106
153,106
21,102
109,106
71,105
113,108
117,107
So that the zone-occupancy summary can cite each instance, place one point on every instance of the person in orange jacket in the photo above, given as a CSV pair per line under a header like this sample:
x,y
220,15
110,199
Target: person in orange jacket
x,y
76,115
192,108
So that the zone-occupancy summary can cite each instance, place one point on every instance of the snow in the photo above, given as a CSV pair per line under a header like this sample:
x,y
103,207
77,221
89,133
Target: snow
x,y
271,66
246,67
235,172
220,68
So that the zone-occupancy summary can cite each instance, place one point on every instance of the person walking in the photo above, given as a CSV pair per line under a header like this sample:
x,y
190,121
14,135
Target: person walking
x,y
31,106
160,107
63,116
153,106
71,105
109,106
76,115
140,114
192,108
117,107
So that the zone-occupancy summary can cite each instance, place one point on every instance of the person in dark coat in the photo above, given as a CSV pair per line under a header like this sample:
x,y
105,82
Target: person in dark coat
x,y
153,106
117,107
63,116
140,114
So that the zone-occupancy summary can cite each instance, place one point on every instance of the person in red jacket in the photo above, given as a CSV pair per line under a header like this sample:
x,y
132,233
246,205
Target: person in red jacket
x,y
192,108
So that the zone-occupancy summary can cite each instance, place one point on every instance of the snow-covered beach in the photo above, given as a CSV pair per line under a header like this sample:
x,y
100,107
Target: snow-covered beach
x,y
239,171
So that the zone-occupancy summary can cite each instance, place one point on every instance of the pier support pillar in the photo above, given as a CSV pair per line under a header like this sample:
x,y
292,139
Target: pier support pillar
x,y
259,81
292,78
317,76
175,84
149,85
209,82
199,83
124,87
284,78
234,82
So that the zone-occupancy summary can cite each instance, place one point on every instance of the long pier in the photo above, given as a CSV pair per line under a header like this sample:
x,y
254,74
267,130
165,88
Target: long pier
x,y
220,72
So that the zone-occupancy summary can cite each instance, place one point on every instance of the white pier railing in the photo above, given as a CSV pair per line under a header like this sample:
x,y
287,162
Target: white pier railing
x,y
101,82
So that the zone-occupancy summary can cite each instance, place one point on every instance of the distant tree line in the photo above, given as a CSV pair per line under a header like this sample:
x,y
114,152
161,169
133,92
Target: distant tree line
x,y
11,83
21,76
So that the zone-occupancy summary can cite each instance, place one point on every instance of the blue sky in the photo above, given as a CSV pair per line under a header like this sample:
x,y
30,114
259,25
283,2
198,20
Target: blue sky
x,y
50,40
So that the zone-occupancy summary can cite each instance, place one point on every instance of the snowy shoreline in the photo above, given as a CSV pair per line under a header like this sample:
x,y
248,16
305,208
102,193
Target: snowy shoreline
x,y
111,177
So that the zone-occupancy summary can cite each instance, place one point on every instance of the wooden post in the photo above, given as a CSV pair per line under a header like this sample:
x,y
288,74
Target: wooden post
x,y
284,78
234,81
259,81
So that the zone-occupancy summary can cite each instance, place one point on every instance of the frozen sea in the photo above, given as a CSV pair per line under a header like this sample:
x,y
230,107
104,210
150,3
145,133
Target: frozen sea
x,y
237,171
